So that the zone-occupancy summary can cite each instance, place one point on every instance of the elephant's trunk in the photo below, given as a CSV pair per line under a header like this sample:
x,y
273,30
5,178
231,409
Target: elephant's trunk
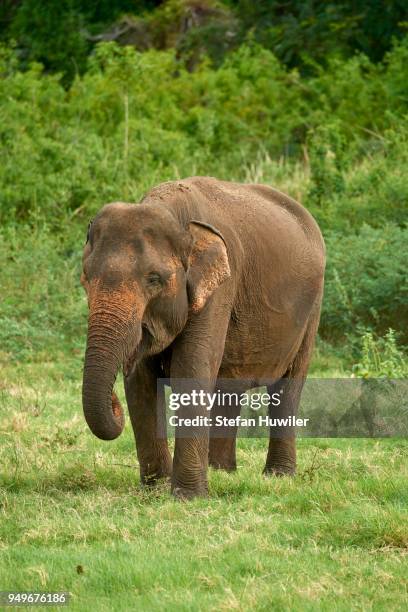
x,y
110,340
102,409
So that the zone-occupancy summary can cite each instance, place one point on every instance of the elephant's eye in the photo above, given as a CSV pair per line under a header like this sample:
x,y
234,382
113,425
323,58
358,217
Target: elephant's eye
x,y
88,233
154,280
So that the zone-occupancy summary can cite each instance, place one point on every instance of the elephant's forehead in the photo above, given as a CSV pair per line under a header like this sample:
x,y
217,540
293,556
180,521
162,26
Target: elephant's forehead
x,y
131,220
117,215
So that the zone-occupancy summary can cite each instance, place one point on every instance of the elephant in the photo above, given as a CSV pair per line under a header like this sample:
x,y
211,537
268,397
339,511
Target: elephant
x,y
202,279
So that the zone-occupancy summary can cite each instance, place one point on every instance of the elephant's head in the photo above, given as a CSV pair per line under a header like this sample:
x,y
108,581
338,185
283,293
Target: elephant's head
x,y
143,273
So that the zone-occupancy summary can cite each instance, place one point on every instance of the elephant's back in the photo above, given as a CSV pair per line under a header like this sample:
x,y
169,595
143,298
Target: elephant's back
x,y
261,215
260,224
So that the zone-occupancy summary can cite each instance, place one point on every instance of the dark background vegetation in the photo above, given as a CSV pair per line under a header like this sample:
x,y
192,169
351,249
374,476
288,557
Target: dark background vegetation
x,y
99,101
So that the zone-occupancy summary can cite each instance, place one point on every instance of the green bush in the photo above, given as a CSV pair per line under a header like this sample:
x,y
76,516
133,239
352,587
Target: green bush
x,y
381,357
366,283
354,184
43,306
336,140
135,119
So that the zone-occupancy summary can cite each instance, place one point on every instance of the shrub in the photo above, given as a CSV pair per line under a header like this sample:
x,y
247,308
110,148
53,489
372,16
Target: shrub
x,y
349,187
43,307
136,119
366,283
381,357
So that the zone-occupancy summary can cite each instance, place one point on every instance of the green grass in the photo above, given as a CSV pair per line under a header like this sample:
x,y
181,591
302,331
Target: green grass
x,y
73,517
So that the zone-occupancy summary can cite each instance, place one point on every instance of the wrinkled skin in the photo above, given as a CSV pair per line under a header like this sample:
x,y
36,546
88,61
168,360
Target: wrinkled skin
x,y
203,279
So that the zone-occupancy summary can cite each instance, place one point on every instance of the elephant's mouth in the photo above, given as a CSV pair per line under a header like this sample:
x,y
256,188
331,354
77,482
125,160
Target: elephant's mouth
x,y
142,347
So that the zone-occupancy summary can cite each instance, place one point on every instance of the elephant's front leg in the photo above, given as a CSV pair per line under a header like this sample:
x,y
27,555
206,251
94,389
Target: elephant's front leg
x,y
147,413
190,466
190,461
195,363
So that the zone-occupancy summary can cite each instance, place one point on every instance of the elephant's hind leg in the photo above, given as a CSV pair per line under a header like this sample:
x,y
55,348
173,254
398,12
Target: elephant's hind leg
x,y
281,457
222,449
222,454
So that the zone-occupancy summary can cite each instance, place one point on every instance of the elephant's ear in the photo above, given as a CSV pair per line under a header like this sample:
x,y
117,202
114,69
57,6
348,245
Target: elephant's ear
x,y
208,264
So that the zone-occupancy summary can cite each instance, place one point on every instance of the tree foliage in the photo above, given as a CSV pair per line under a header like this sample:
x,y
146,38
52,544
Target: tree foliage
x,y
300,33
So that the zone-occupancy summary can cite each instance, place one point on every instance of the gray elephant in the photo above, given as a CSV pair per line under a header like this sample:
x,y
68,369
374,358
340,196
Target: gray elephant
x,y
202,279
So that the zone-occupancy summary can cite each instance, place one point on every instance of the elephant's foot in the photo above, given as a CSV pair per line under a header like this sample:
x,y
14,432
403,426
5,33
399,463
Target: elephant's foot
x,y
151,473
281,459
278,471
190,465
187,487
150,480
222,454
227,467
186,493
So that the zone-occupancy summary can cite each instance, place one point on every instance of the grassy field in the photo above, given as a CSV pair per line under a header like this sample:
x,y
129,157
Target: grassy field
x,y
74,518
